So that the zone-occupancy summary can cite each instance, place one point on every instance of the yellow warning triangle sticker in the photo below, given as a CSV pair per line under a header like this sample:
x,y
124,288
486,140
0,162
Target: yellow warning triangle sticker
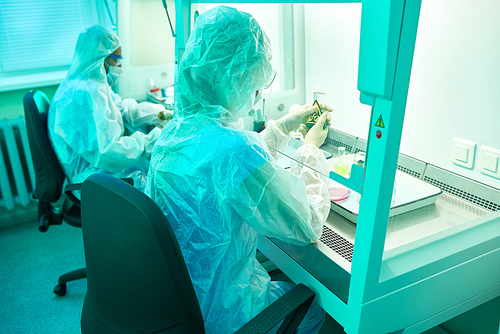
x,y
380,122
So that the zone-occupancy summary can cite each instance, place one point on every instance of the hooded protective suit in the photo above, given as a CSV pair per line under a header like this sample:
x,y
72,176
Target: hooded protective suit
x,y
219,185
87,121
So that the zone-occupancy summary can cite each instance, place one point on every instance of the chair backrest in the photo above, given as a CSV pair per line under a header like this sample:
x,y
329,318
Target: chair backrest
x,y
49,174
137,280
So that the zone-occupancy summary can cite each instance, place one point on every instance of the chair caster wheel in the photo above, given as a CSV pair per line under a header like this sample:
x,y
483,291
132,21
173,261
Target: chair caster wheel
x,y
60,289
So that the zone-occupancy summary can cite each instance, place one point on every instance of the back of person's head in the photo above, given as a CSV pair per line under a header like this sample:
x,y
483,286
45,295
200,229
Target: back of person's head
x,y
93,46
227,59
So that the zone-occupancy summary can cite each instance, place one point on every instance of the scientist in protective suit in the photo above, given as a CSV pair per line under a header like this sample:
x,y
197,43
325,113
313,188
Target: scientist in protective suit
x,y
219,185
94,130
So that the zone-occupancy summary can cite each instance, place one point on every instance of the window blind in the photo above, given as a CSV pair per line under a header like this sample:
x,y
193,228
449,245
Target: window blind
x,y
38,35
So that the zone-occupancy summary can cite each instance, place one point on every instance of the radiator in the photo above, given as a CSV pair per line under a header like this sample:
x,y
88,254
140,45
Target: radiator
x,y
17,175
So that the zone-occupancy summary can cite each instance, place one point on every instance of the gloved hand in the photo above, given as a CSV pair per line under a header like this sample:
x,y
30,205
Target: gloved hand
x,y
292,120
166,115
316,135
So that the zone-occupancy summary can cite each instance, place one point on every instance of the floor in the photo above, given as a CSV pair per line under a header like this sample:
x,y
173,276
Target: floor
x,y
30,263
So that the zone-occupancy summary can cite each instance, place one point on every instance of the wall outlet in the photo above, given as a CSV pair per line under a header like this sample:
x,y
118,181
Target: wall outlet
x,y
489,161
462,152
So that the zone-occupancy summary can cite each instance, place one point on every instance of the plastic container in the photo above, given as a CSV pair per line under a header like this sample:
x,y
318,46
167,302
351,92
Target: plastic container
x,y
155,92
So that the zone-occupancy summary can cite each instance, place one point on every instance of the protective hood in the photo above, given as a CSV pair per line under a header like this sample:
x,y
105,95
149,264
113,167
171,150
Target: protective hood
x,y
92,47
227,59
219,186
87,120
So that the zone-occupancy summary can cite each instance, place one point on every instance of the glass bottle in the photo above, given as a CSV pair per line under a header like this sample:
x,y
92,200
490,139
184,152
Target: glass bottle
x,y
341,167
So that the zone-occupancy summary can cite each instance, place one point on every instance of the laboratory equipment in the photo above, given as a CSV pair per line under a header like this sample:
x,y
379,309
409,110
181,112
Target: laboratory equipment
x,y
413,194
359,159
341,167
168,17
259,120
319,101
155,92
427,275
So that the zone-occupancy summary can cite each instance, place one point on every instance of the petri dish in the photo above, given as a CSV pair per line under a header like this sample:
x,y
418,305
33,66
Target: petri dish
x,y
338,194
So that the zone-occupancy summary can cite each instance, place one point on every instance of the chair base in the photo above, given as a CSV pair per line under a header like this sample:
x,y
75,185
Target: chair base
x,y
74,275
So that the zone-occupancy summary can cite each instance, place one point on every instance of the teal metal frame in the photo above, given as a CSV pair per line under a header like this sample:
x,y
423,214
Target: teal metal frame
x,y
409,289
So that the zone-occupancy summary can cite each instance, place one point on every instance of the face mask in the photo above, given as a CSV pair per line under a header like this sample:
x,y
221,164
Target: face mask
x,y
113,75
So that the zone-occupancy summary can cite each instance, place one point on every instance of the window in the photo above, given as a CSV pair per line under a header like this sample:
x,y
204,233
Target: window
x,y
40,36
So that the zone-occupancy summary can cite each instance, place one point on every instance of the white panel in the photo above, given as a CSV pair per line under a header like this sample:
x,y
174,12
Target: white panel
x,y
489,161
462,152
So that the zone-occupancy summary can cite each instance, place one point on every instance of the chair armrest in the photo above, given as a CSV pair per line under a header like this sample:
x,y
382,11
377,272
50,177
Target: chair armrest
x,y
68,191
292,307
129,180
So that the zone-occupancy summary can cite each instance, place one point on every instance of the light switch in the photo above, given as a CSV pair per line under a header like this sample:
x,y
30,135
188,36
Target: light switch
x,y
462,152
489,161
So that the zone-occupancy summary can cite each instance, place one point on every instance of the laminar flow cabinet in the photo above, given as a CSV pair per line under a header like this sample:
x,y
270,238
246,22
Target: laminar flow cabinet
x,y
406,288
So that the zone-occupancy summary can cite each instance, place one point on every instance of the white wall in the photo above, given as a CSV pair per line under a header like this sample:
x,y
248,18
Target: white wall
x,y
151,41
455,83
147,46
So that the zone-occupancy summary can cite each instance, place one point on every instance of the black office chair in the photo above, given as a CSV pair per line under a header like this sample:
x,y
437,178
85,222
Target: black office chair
x,y
137,278
49,178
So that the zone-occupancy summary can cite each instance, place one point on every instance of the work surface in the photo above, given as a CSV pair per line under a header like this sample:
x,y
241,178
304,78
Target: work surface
x,y
329,260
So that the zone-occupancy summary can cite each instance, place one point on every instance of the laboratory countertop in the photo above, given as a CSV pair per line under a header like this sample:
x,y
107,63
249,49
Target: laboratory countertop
x,y
329,260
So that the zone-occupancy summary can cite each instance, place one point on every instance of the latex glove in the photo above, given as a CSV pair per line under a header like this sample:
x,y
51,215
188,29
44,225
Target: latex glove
x,y
166,115
292,120
316,135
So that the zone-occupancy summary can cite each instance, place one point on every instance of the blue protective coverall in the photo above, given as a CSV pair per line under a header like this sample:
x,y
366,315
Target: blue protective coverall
x,y
94,130
219,186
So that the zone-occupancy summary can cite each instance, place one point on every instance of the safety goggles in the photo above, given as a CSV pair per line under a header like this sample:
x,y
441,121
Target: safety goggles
x,y
270,82
116,59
